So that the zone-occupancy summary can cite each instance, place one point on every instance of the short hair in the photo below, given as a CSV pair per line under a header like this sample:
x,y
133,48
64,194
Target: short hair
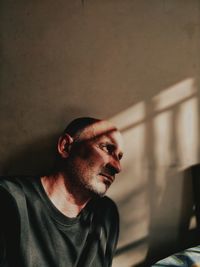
x,y
76,127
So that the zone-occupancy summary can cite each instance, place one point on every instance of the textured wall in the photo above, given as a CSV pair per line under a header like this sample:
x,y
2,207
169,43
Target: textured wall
x,y
134,61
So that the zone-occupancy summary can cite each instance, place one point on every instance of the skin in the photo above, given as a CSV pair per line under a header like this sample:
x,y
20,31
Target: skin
x,y
89,166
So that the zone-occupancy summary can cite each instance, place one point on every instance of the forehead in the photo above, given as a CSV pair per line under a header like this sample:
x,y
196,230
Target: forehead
x,y
103,131
113,137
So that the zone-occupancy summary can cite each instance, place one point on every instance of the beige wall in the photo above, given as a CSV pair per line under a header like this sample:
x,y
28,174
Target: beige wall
x,y
134,61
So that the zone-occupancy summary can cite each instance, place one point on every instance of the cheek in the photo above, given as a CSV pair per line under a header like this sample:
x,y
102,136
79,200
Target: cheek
x,y
99,159
85,152
95,160
90,156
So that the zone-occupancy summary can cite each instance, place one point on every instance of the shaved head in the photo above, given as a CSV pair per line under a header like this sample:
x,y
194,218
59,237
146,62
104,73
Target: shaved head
x,y
83,128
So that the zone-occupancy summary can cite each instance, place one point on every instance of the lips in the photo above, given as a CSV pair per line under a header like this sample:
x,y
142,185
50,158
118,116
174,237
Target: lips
x,y
109,177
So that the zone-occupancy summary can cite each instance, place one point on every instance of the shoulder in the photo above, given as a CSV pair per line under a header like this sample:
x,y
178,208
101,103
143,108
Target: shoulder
x,y
13,201
8,201
16,183
9,188
10,185
12,189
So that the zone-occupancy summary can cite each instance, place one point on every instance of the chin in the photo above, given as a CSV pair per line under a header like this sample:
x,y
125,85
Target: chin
x,y
98,190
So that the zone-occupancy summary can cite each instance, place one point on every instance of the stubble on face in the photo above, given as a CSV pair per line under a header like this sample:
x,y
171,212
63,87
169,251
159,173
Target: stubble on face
x,y
83,173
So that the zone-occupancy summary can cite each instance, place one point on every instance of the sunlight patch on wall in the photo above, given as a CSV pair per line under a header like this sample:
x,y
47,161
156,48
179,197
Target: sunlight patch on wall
x,y
187,132
174,95
162,134
130,117
180,100
162,125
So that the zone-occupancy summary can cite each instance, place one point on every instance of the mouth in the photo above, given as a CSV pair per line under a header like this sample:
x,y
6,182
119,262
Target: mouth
x,y
109,178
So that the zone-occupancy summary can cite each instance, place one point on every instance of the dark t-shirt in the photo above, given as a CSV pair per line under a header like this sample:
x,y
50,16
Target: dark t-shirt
x,y
34,233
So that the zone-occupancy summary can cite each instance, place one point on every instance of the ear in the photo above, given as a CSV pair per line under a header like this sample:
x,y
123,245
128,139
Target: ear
x,y
64,145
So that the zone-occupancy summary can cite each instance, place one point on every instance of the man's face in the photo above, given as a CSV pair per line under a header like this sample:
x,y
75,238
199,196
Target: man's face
x,y
95,161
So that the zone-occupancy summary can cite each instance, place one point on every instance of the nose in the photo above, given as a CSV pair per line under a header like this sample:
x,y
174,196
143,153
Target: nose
x,y
115,164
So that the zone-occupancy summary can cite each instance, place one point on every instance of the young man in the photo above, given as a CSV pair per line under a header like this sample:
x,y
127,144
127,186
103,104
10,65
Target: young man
x,y
64,219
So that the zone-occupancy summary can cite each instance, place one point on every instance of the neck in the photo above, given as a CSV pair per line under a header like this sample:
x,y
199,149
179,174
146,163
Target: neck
x,y
67,199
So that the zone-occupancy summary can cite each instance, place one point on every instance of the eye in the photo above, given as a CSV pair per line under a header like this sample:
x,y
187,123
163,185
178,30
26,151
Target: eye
x,y
108,148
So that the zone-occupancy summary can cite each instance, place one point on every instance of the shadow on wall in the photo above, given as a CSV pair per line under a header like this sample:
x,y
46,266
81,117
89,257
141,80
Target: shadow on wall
x,y
36,158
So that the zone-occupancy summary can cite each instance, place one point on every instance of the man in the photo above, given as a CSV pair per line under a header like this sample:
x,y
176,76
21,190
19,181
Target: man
x,y
64,219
